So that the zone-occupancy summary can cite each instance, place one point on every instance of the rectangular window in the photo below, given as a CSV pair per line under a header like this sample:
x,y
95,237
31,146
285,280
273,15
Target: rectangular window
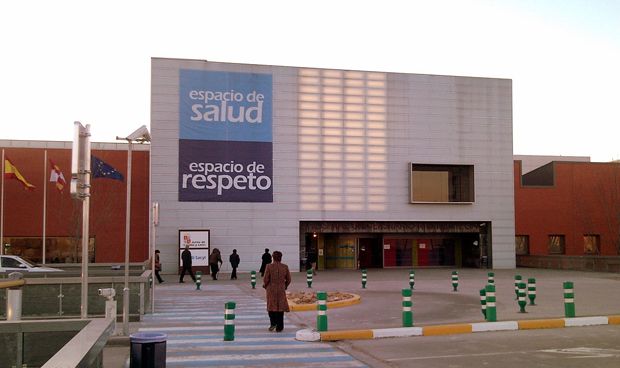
x,y
556,244
522,245
442,183
591,244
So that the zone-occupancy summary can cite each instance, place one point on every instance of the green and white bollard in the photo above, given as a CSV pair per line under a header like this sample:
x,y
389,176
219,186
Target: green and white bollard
x,y
531,290
198,279
364,279
491,307
407,312
569,299
411,279
491,278
455,280
309,278
518,279
321,306
522,297
253,279
229,321
483,302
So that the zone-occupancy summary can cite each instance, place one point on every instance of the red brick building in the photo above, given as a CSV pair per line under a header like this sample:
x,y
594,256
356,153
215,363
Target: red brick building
x,y
568,216
23,209
567,213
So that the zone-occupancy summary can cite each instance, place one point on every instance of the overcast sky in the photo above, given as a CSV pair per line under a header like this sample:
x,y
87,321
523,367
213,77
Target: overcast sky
x,y
90,61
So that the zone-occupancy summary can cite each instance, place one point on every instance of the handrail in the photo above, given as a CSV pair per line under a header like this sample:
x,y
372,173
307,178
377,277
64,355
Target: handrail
x,y
12,283
85,347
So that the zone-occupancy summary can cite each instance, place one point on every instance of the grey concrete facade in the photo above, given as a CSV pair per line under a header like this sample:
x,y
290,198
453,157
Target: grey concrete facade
x,y
342,145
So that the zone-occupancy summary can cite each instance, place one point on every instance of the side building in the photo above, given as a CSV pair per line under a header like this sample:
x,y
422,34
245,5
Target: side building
x,y
355,169
568,216
40,220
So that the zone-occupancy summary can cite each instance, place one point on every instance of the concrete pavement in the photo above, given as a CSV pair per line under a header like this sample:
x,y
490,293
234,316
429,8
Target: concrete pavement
x,y
434,302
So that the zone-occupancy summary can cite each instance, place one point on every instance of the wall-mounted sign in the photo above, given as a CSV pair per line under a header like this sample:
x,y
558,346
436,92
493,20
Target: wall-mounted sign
x,y
199,242
225,136
200,257
194,238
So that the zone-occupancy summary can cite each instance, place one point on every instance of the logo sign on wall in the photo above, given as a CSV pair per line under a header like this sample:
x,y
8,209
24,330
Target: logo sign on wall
x,y
199,242
194,238
225,137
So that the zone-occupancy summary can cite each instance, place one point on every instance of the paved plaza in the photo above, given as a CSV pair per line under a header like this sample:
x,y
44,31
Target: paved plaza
x,y
194,319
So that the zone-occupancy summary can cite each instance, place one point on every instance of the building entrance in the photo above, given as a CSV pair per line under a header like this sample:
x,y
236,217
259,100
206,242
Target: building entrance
x,y
369,253
351,245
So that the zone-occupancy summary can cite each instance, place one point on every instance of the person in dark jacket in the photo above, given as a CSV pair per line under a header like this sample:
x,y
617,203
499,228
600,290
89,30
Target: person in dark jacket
x,y
276,281
186,260
214,259
234,263
157,266
266,259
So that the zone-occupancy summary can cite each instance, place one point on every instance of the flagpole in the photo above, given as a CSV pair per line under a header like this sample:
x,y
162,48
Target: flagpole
x,y
44,199
2,209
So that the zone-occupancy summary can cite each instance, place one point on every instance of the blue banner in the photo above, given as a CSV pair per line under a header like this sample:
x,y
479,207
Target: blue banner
x,y
225,106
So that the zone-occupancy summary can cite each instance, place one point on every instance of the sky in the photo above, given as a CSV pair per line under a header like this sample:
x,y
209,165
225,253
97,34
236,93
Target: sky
x,y
66,61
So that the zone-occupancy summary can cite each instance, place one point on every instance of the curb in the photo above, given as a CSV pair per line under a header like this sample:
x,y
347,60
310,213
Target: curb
x,y
294,307
453,329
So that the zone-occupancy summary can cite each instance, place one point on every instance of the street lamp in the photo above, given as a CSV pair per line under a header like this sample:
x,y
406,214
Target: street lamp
x,y
141,135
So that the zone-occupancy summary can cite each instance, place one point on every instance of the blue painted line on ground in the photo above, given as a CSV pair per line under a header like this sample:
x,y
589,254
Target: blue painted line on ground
x,y
253,352
252,343
257,362
220,335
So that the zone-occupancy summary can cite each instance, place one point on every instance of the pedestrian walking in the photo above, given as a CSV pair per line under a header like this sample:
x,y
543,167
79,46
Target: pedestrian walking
x,y
266,259
234,263
186,261
214,259
276,281
157,267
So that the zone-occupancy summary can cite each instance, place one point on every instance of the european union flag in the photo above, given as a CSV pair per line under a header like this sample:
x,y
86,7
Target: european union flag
x,y
100,169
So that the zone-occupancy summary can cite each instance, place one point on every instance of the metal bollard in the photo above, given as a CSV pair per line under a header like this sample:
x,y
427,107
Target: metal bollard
x,y
491,307
198,279
364,279
522,297
518,279
309,278
14,296
321,306
455,280
531,290
569,299
411,279
491,278
407,312
253,279
483,302
229,321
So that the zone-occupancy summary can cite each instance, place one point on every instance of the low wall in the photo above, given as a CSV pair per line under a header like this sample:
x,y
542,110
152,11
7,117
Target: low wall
x,y
577,263
60,297
54,343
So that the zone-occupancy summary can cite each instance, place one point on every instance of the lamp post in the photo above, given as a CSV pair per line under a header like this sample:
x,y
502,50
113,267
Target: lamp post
x,y
141,135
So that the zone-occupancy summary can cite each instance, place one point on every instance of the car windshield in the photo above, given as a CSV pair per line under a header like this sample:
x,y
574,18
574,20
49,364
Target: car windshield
x,y
28,262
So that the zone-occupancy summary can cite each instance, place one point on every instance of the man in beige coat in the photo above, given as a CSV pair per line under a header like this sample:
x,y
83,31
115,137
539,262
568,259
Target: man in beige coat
x,y
276,280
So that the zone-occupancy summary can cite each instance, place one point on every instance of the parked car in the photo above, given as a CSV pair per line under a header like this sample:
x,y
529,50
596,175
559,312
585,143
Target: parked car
x,y
18,264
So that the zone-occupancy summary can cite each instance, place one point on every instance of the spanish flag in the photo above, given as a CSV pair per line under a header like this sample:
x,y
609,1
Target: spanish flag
x,y
57,177
11,172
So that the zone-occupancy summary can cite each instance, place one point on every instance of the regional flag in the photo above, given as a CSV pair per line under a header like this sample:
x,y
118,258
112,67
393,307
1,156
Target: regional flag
x,y
100,169
57,177
11,172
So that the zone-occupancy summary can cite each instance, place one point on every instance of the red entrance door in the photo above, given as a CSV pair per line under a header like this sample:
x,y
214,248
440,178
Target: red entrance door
x,y
424,251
